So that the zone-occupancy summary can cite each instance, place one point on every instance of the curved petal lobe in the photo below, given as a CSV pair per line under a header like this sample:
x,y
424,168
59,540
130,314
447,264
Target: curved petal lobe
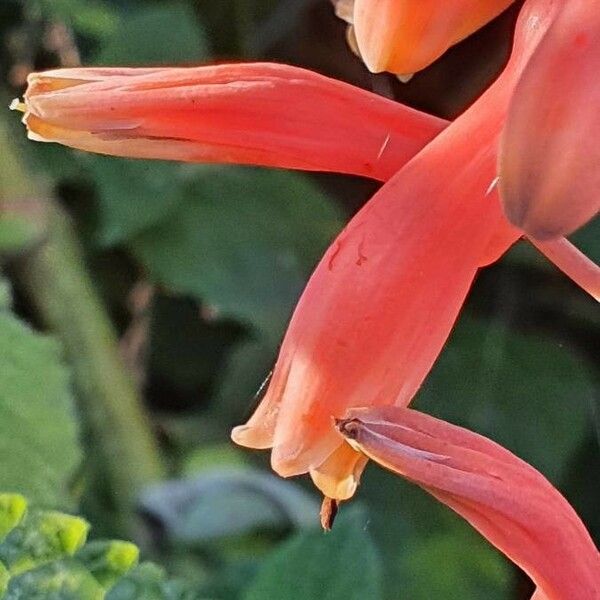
x,y
504,498
405,36
550,160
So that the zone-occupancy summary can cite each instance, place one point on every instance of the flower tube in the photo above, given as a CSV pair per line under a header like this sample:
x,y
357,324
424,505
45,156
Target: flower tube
x,y
382,302
257,113
504,498
550,160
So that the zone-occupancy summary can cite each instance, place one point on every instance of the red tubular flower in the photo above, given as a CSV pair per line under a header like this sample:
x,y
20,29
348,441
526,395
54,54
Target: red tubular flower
x,y
504,498
381,303
374,315
260,114
550,162
383,300
405,36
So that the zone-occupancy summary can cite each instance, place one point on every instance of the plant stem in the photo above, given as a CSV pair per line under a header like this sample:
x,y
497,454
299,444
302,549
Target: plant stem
x,y
54,277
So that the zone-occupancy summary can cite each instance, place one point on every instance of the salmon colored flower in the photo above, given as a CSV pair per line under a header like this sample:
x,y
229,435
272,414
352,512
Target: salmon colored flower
x,y
550,162
381,303
261,114
405,36
550,175
504,498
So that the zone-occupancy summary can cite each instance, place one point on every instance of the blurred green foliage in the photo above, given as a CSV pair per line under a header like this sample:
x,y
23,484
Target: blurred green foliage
x,y
222,254
343,565
38,428
520,390
215,230
44,555
90,17
131,41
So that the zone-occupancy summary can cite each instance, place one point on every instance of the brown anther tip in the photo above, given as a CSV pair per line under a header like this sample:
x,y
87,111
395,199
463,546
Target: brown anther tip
x,y
329,510
348,427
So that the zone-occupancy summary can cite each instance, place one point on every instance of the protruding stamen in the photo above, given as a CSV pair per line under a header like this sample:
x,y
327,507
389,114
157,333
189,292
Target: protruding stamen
x,y
329,510
17,104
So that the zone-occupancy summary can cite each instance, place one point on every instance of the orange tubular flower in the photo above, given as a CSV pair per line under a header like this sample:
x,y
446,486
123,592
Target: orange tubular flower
x,y
504,498
260,114
405,36
550,162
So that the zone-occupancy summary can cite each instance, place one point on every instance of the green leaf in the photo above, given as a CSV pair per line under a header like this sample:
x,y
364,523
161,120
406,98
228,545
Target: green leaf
x,y
343,564
245,241
526,393
91,17
156,35
468,568
61,580
149,582
206,458
4,578
43,537
16,233
132,195
38,430
45,557
12,510
109,560
225,502
5,295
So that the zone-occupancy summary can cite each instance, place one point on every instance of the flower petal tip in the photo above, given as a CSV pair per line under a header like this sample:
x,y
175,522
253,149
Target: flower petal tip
x,y
238,434
340,489
250,437
522,214
405,78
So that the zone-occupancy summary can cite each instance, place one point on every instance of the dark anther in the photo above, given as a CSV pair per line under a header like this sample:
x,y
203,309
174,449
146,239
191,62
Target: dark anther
x,y
329,510
348,427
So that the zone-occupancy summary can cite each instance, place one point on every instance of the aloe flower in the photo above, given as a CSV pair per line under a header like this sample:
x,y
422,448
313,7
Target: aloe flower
x,y
405,36
504,498
258,113
380,305
382,301
550,162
